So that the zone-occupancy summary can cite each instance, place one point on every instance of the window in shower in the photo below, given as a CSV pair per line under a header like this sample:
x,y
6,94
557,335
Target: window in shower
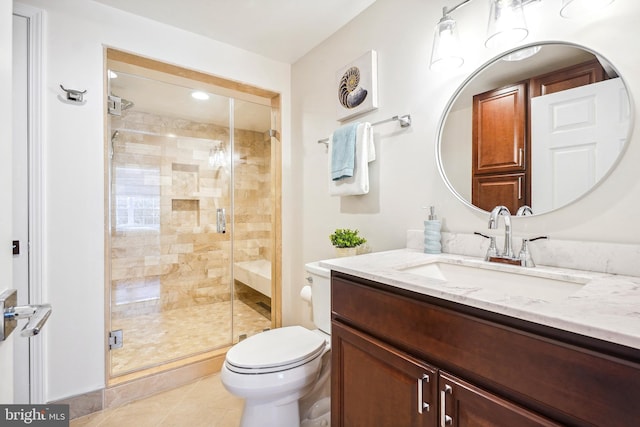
x,y
192,218
137,200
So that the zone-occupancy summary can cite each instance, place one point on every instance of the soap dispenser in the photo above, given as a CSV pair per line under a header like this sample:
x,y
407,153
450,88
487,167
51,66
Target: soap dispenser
x,y
432,235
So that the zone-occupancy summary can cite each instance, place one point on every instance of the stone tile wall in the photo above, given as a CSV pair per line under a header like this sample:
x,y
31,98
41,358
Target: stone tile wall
x,y
165,250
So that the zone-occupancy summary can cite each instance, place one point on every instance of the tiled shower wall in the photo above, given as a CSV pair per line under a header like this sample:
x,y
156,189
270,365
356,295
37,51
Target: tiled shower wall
x,y
165,250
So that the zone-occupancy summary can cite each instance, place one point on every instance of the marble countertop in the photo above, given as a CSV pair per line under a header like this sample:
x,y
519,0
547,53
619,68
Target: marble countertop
x,y
606,307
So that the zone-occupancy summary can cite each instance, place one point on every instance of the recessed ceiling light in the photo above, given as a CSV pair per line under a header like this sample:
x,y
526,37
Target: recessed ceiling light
x,y
200,95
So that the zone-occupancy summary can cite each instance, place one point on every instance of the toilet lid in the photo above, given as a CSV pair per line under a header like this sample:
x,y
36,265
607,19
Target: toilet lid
x,y
275,350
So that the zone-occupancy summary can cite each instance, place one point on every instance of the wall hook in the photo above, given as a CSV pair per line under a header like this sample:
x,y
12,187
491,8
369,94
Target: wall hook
x,y
74,95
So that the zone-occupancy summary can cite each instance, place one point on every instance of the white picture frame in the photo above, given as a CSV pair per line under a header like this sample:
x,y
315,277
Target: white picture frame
x,y
357,87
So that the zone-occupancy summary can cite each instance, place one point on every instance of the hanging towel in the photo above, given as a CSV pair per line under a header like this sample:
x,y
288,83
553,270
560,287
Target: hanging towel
x,y
364,154
343,151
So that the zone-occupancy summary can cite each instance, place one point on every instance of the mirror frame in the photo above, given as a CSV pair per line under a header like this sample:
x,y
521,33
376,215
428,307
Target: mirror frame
x,y
484,67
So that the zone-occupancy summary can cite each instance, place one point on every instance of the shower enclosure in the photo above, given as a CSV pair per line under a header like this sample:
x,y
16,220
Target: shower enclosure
x,y
192,214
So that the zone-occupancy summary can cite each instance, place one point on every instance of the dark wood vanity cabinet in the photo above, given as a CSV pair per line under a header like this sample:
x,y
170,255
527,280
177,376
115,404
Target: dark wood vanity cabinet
x,y
405,359
465,405
379,385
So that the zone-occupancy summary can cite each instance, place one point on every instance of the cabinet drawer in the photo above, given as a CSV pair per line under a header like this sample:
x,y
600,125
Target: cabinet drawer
x,y
564,382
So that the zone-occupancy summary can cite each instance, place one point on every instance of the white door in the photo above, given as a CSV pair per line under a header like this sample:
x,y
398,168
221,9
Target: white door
x,y
6,347
577,135
20,198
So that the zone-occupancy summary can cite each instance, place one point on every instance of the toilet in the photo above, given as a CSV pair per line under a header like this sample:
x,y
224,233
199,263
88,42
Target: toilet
x,y
274,369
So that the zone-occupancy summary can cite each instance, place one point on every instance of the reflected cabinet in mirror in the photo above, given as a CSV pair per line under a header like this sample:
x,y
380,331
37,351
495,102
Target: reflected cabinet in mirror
x,y
542,131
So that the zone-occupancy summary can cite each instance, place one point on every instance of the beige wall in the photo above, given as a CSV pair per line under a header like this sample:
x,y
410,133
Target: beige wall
x,y
404,177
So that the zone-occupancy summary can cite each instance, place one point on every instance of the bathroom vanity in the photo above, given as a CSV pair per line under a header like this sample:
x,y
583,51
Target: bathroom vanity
x,y
414,344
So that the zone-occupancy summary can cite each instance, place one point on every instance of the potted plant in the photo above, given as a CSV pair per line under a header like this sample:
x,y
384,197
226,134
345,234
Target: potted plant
x,y
346,241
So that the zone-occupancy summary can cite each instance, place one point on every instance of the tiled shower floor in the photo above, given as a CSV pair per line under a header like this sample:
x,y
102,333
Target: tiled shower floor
x,y
156,338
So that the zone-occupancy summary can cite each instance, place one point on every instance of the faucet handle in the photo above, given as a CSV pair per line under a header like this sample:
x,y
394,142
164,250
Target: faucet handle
x,y
525,256
493,249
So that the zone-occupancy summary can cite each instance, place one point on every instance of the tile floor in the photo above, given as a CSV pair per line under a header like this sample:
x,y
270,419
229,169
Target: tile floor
x,y
204,403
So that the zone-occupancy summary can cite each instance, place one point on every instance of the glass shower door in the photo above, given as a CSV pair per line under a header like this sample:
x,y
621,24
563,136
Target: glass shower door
x,y
191,220
170,285
253,219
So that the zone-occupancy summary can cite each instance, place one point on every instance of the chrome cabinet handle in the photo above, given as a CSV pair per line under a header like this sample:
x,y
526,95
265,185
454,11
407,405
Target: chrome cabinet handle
x,y
445,420
422,405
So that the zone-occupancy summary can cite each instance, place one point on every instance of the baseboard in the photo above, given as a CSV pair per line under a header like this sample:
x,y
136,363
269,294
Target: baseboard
x,y
140,388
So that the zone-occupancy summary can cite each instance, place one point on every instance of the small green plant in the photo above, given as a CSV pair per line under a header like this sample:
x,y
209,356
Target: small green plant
x,y
346,238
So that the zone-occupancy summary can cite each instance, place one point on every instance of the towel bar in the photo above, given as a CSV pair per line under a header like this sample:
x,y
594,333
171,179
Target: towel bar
x,y
405,122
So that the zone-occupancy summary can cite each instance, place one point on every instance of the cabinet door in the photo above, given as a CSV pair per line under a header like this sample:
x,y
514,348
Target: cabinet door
x,y
464,405
567,78
499,129
373,384
510,190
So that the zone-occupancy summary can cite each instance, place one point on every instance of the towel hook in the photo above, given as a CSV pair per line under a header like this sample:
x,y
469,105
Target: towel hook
x,y
74,95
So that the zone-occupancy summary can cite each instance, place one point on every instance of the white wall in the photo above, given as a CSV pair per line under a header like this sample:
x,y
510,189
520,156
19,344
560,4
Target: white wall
x,y
6,259
76,33
405,176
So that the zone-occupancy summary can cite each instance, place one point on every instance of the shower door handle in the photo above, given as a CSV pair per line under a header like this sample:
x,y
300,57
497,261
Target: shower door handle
x,y
221,221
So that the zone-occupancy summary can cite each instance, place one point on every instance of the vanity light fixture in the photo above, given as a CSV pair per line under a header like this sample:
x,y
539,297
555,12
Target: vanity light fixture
x,y
507,26
574,8
445,53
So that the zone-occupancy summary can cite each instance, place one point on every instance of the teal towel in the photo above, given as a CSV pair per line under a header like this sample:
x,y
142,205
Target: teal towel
x,y
343,151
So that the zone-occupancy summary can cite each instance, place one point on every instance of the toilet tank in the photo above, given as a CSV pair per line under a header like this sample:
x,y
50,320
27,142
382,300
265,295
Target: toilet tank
x,y
319,278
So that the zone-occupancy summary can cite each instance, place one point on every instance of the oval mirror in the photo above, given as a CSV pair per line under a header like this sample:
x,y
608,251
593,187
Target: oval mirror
x,y
539,126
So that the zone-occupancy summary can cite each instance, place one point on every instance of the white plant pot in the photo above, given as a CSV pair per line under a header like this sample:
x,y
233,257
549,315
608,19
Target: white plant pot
x,y
342,252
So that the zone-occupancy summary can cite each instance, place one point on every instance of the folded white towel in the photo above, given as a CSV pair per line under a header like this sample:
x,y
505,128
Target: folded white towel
x,y
365,152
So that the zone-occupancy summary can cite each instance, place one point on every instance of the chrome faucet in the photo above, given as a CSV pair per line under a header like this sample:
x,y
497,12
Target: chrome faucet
x,y
524,210
507,256
497,212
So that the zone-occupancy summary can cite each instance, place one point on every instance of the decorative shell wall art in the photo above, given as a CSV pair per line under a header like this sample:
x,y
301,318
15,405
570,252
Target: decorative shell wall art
x,y
357,86
351,95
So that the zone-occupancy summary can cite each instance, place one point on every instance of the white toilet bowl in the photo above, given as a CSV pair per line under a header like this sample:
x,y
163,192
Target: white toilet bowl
x,y
273,370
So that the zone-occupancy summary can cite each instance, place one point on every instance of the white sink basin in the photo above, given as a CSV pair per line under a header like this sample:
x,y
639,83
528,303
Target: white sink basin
x,y
548,287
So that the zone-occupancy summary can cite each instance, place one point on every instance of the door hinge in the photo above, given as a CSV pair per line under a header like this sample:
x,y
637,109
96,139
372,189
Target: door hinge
x,y
115,339
114,105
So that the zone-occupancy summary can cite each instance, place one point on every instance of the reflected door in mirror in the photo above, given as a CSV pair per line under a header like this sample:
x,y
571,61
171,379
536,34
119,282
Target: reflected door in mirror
x,y
579,134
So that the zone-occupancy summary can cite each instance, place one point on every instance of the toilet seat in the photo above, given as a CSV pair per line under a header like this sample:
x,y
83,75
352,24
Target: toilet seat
x,y
275,350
